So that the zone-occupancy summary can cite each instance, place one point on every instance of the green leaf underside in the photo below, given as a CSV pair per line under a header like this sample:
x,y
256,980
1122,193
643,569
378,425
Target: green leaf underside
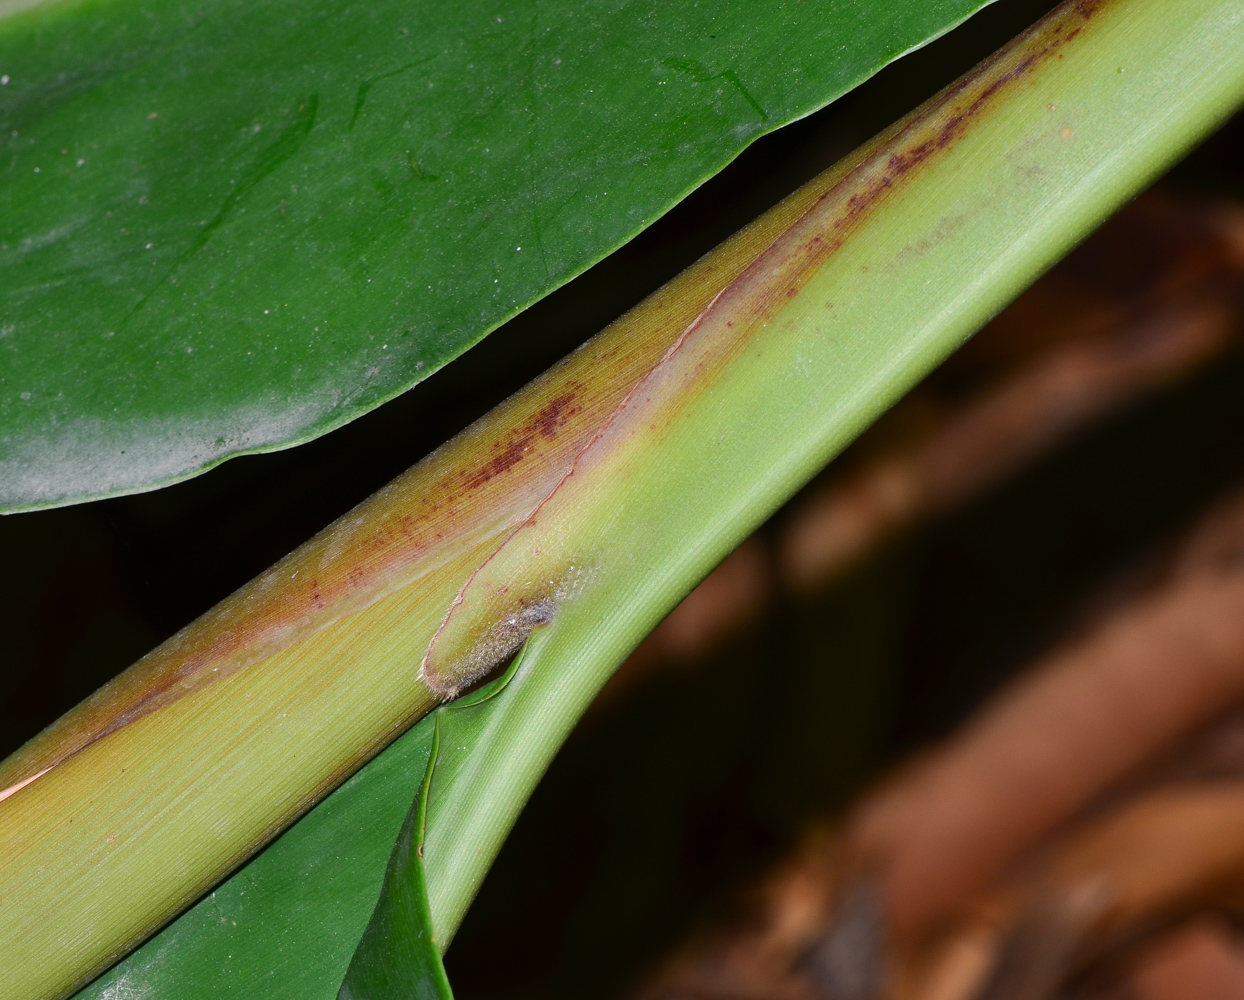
x,y
285,927
230,227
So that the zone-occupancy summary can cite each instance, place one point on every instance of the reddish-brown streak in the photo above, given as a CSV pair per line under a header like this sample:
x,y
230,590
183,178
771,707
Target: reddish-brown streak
x,y
509,458
903,162
549,420
546,423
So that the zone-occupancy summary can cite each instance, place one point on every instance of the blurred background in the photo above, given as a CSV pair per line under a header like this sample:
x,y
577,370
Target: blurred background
x,y
738,816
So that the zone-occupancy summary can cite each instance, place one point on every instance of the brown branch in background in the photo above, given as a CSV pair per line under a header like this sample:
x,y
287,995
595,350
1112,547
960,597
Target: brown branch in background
x,y
1096,803
1200,959
1083,720
1149,299
1141,867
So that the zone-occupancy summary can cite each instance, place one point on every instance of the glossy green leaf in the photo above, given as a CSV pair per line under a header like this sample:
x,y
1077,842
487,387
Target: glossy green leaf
x,y
397,957
229,227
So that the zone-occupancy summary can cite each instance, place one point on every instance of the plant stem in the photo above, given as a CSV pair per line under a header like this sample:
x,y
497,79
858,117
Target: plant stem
x,y
591,502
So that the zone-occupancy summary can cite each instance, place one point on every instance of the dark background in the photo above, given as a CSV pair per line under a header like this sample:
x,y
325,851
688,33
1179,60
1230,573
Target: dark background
x,y
666,801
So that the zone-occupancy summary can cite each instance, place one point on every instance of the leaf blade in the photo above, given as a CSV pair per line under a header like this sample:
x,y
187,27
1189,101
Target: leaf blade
x,y
268,219
397,956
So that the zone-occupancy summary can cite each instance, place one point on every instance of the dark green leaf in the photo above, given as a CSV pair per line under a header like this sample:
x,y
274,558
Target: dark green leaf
x,y
229,227
397,958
